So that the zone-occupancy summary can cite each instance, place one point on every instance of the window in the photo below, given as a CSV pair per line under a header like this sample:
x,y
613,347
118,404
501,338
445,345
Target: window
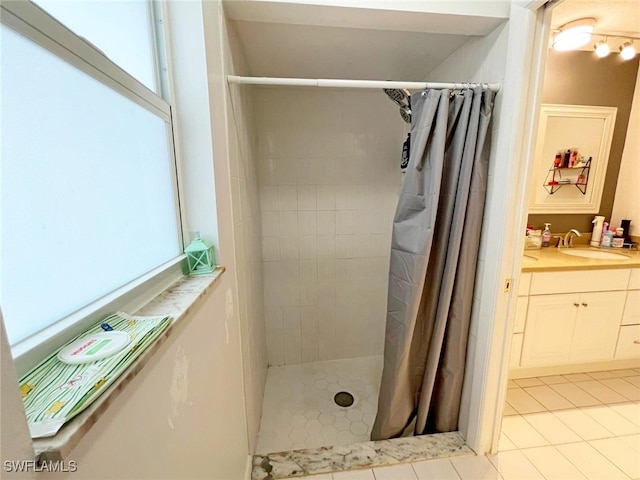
x,y
87,175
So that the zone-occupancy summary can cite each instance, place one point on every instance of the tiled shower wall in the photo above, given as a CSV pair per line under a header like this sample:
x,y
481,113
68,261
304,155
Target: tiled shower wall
x,y
328,176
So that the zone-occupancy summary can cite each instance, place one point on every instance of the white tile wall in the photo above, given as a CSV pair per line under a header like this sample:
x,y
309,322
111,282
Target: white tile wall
x,y
249,252
329,175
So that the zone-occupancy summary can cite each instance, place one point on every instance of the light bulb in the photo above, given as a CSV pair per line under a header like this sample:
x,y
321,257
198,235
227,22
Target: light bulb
x,y
602,49
574,35
627,52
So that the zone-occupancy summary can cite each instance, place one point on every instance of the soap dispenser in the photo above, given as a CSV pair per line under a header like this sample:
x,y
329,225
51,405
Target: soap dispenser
x,y
546,235
596,236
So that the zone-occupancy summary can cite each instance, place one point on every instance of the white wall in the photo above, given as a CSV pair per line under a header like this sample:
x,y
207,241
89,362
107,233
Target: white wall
x,y
248,248
206,436
329,176
627,202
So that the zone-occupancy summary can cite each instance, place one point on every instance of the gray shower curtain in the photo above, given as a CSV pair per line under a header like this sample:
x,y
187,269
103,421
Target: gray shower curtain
x,y
434,252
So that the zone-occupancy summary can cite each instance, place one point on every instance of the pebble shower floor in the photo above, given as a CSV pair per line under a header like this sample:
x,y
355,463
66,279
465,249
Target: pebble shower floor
x,y
299,409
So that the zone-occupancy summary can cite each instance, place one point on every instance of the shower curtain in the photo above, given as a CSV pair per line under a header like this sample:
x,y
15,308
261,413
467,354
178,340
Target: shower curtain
x,y
434,252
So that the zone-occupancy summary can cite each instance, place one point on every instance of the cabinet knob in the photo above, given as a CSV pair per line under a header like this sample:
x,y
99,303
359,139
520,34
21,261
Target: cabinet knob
x,y
637,342
585,304
576,304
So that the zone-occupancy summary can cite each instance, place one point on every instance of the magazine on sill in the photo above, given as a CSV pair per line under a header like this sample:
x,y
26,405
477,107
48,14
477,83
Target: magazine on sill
x,y
68,381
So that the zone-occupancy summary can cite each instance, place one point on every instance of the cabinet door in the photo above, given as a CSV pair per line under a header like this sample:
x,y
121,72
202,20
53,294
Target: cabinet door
x,y
516,350
631,314
521,314
597,325
628,342
550,324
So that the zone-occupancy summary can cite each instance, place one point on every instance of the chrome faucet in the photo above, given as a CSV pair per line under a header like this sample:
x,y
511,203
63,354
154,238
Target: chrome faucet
x,y
568,238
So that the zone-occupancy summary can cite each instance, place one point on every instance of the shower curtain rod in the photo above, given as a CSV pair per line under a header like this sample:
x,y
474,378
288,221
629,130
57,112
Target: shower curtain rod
x,y
337,83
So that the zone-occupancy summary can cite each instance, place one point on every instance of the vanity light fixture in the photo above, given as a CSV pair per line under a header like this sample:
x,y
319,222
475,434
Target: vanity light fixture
x,y
627,52
574,35
602,48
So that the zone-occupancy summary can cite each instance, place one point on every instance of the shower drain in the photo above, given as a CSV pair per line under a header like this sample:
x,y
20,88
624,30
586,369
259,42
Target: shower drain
x,y
343,399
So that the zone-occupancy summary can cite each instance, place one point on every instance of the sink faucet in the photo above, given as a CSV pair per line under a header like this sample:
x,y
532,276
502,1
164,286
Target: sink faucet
x,y
568,238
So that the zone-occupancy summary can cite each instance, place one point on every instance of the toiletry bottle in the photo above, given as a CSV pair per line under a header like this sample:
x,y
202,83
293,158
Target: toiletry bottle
x,y
573,158
626,226
607,239
567,156
605,228
596,235
618,239
546,235
557,162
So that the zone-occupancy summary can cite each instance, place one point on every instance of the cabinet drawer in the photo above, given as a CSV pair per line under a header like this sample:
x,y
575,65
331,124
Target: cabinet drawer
x,y
521,314
516,349
576,281
632,308
634,281
628,342
523,286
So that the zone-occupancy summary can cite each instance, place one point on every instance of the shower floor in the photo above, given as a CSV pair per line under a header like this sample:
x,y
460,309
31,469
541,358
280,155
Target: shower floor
x,y
299,409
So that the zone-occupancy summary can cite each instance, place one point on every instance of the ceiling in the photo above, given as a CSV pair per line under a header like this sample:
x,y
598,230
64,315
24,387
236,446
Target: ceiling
x,y
620,17
282,50
360,39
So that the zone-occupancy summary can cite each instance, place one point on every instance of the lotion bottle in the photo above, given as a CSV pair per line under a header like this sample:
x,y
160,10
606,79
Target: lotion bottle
x,y
546,235
596,236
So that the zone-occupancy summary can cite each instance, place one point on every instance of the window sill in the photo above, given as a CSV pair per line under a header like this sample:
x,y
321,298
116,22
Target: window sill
x,y
176,301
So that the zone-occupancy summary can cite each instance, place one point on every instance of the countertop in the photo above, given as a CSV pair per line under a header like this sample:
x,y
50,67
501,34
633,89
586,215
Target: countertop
x,y
551,259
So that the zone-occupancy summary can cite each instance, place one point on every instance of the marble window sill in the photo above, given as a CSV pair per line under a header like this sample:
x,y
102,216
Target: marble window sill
x,y
176,301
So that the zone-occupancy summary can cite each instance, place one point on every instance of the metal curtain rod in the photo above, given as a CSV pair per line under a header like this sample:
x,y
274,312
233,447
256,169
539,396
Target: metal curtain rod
x,y
336,83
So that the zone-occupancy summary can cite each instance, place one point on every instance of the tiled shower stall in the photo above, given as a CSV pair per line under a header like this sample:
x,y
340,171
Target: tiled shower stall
x,y
328,164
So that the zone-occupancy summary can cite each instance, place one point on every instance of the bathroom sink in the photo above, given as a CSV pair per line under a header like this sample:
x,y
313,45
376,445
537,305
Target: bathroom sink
x,y
597,254
527,258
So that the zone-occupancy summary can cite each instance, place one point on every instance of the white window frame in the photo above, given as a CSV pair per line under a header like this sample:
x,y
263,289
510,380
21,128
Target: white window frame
x,y
28,19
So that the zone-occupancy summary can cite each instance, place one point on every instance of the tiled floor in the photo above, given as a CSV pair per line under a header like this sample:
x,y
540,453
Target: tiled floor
x,y
587,427
299,409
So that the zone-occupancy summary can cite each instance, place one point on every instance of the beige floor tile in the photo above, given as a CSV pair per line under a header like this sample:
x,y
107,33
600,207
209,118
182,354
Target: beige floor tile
x,y
354,475
549,398
522,402
552,428
324,476
601,392
632,441
611,420
620,453
629,372
552,464
509,410
440,469
512,384
521,433
576,395
582,424
630,411
635,379
475,468
395,472
577,377
553,379
514,465
602,375
504,444
623,387
591,462
528,382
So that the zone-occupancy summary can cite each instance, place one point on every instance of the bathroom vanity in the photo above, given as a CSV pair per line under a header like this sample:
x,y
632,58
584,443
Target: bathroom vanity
x,y
575,313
